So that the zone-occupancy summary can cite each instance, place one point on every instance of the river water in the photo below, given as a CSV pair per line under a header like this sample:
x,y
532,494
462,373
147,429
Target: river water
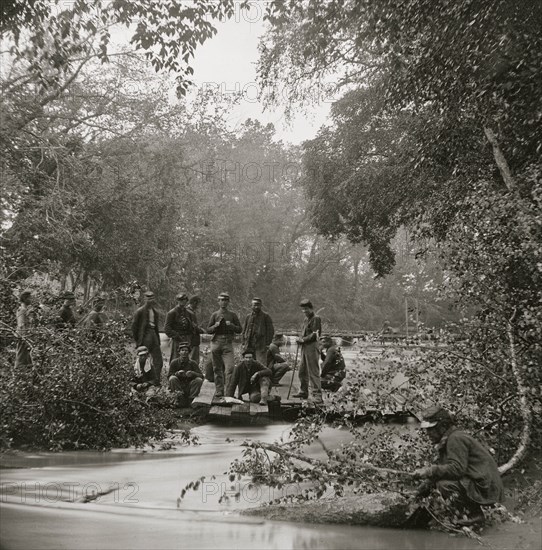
x,y
143,508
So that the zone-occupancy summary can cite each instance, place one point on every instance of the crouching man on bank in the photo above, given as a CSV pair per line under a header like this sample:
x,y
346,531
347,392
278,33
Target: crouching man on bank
x,y
184,376
250,377
466,473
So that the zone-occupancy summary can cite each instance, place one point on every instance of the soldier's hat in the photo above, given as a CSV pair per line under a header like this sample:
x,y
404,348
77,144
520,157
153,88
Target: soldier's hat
x,y
224,295
142,350
184,345
433,415
149,294
181,296
248,350
68,295
305,303
277,336
326,338
257,300
25,292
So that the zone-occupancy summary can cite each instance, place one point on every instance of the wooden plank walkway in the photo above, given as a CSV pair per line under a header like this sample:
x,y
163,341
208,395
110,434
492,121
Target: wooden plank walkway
x,y
247,410
286,410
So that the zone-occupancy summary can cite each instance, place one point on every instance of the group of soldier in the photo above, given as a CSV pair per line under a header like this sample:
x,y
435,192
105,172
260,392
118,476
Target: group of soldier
x,y
261,365
465,471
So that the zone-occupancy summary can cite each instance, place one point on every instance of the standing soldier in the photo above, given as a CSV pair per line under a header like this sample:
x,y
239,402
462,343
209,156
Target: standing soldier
x,y
178,325
223,325
192,309
145,332
24,322
65,315
258,331
309,370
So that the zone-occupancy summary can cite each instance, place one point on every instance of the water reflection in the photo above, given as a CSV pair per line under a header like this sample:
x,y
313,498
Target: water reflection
x,y
150,518
143,509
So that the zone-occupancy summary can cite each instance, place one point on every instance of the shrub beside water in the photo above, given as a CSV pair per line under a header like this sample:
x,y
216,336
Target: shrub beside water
x,y
76,395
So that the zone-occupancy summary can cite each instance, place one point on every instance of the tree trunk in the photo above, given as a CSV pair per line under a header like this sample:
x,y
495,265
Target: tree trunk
x,y
525,409
500,160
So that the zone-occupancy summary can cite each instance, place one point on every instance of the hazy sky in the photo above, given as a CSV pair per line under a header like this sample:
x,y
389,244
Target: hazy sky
x,y
227,63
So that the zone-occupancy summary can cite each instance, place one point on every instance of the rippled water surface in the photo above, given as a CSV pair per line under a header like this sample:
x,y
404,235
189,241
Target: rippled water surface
x,y
142,509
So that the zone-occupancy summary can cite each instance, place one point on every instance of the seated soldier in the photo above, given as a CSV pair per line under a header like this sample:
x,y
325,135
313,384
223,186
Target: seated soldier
x,y
184,376
250,377
275,362
143,369
466,473
333,367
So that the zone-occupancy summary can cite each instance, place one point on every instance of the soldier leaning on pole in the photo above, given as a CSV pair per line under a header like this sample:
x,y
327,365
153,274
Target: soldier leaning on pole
x,y
309,369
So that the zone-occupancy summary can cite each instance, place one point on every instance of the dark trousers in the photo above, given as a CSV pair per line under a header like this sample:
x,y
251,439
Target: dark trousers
x,y
241,379
309,371
279,370
152,342
194,354
22,355
190,388
222,354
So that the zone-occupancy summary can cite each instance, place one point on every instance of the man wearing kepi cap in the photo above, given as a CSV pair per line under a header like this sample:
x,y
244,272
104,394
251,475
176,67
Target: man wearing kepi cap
x,y
466,472
251,377
184,376
179,324
146,332
143,371
223,325
309,369
258,331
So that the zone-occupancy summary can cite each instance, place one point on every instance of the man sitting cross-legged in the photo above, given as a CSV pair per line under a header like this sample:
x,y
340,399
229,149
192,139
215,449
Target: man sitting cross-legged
x,y
184,375
250,377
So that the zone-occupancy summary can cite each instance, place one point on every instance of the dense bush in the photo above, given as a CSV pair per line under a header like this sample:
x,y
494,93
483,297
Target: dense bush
x,y
76,395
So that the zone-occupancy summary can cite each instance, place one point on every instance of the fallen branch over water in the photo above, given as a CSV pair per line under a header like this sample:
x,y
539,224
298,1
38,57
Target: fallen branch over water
x,y
297,456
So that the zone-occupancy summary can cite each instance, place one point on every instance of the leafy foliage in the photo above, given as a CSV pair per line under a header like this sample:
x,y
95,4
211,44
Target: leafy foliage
x,y
76,395
48,35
